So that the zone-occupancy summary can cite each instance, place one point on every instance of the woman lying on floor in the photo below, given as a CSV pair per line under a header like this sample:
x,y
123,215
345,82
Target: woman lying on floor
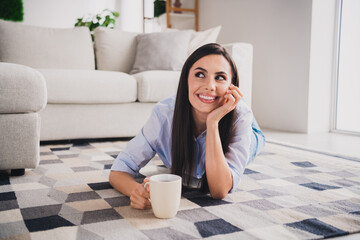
x,y
207,134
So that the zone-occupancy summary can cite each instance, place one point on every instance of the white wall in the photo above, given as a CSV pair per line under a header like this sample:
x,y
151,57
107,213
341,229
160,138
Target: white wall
x,y
293,56
280,33
348,100
131,15
321,64
64,13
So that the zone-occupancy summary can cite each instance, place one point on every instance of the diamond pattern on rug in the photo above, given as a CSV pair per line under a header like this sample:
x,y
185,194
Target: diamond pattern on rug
x,y
40,212
317,227
7,196
100,186
118,201
318,186
4,180
46,223
215,227
100,216
285,193
304,164
60,149
262,204
166,234
195,215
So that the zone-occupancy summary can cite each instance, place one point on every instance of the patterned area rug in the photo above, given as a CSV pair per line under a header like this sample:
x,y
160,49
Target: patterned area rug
x,y
285,194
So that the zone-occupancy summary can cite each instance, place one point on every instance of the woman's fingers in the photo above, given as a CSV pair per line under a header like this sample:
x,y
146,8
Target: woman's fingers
x,y
237,89
233,97
145,193
139,198
139,202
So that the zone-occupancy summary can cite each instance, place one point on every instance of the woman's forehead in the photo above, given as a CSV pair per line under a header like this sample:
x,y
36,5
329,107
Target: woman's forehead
x,y
213,62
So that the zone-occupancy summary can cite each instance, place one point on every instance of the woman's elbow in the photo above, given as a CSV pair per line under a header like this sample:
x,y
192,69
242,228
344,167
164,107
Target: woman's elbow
x,y
219,195
112,177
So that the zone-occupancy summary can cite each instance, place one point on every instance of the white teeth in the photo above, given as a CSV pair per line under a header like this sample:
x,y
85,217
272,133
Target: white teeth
x,y
207,97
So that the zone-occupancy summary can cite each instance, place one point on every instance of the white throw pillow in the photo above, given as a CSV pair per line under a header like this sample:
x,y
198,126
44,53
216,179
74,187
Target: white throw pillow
x,y
41,47
161,51
200,38
115,50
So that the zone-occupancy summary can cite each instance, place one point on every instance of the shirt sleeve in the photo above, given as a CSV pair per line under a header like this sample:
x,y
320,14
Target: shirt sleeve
x,y
141,149
239,147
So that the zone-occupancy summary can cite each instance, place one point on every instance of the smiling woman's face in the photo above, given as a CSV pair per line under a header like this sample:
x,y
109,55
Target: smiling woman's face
x,y
209,79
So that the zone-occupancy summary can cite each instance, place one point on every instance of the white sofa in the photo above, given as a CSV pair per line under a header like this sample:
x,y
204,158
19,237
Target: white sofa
x,y
90,93
22,97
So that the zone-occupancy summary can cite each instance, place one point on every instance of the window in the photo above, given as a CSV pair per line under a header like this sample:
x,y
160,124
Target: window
x,y
347,112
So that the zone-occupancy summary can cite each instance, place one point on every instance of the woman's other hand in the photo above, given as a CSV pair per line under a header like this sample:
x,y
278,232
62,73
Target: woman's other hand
x,y
126,184
231,98
139,197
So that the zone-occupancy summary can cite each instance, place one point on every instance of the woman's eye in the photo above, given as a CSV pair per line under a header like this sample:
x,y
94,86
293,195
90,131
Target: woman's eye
x,y
220,77
200,75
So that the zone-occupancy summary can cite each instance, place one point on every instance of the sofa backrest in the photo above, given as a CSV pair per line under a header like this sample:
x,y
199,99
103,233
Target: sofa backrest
x,y
40,47
115,50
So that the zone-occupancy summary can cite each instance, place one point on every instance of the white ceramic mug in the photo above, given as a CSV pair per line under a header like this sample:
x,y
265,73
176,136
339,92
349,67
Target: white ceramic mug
x,y
165,194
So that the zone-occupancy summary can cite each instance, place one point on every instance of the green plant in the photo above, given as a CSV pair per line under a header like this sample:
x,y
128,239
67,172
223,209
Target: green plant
x,y
12,10
159,7
106,18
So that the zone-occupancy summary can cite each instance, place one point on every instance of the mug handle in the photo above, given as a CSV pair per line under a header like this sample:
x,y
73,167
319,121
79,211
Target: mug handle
x,y
146,187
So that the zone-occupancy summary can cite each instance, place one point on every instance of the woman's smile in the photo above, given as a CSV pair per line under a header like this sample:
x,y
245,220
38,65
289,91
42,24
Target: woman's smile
x,y
208,99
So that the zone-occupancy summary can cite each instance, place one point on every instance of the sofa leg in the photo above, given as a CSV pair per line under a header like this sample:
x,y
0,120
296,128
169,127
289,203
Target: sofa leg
x,y
17,172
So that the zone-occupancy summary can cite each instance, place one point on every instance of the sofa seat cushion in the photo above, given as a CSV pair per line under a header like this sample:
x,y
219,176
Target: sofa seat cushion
x,y
41,47
89,86
22,89
154,86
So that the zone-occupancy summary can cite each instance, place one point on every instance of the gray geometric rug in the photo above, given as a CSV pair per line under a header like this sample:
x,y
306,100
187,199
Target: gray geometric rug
x,y
285,194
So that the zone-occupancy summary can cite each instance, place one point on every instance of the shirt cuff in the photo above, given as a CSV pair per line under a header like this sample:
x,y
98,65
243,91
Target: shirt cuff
x,y
236,180
123,163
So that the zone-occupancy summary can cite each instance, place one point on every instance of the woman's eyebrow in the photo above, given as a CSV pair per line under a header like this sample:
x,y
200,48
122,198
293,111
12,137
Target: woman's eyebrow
x,y
203,69
221,73
200,68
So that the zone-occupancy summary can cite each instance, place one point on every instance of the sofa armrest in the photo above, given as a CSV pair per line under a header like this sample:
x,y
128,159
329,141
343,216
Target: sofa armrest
x,y
242,53
22,89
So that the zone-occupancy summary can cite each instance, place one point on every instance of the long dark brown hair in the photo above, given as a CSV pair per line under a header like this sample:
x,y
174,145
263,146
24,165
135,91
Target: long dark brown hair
x,y
183,138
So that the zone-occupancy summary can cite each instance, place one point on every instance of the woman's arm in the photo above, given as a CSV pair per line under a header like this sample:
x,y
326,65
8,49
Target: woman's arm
x,y
217,169
218,172
125,183
139,151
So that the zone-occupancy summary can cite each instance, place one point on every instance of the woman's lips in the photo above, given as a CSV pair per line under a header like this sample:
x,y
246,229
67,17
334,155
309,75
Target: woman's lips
x,y
207,98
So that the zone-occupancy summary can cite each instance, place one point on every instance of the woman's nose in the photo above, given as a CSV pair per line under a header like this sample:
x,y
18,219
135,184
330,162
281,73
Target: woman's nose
x,y
210,85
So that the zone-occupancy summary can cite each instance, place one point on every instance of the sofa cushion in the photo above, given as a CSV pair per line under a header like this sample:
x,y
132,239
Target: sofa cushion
x,y
203,37
199,38
22,89
115,50
161,51
89,86
42,47
154,86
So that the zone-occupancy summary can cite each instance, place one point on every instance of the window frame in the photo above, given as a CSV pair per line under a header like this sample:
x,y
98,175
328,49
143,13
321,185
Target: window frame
x,y
335,82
